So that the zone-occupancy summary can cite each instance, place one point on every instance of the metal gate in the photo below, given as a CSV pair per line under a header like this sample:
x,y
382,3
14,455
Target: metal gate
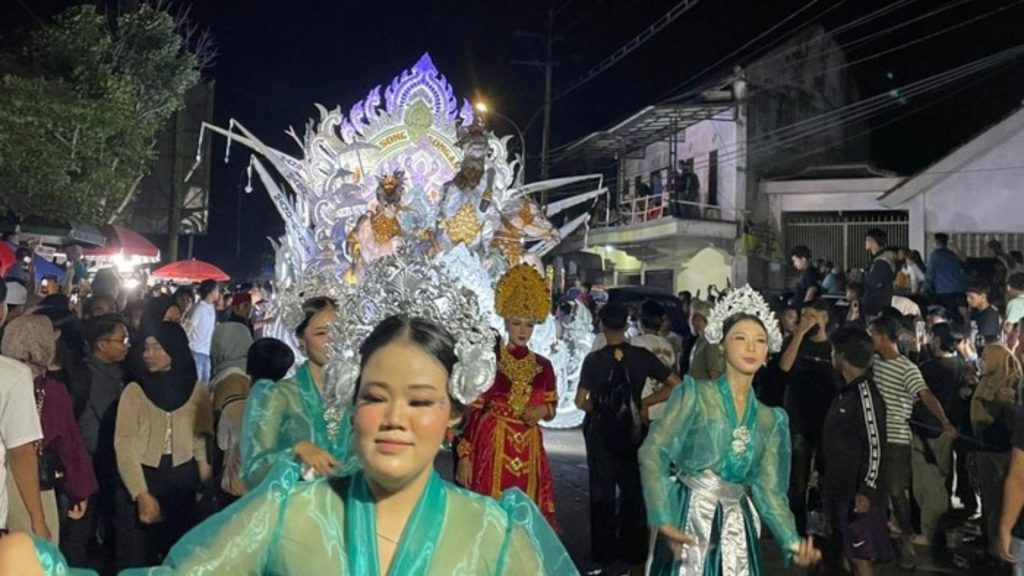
x,y
839,236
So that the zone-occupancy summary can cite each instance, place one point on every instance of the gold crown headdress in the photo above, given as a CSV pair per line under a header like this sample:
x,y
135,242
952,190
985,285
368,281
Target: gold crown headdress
x,y
522,293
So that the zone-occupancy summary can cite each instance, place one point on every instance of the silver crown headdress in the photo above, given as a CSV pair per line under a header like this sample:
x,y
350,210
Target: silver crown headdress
x,y
407,283
744,300
314,282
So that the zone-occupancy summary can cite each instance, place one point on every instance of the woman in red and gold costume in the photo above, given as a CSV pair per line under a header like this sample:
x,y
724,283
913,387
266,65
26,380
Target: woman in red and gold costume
x,y
502,446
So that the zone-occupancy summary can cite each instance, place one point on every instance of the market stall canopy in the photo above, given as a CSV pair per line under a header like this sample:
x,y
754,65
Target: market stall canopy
x,y
190,271
126,244
56,234
43,266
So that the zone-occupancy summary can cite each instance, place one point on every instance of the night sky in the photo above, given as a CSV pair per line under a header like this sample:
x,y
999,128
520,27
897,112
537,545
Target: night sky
x,y
277,58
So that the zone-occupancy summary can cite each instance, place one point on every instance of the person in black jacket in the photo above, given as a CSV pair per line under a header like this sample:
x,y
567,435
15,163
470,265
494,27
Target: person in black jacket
x,y
879,278
853,438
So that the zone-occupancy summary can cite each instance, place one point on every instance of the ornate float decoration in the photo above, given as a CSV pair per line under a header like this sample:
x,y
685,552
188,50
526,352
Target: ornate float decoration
x,y
412,166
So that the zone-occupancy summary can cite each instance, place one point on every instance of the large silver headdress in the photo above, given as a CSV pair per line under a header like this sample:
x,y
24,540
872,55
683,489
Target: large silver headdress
x,y
406,283
744,300
313,282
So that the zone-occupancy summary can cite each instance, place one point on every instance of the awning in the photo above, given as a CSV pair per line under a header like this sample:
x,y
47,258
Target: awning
x,y
650,125
57,234
122,242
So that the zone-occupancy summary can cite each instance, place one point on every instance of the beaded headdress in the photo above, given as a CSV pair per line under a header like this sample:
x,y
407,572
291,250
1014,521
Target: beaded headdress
x,y
408,283
315,282
522,293
744,300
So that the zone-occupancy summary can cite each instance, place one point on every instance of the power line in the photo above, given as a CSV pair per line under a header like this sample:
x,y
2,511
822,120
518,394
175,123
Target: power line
x,y
856,23
752,41
865,109
30,12
861,110
638,41
907,44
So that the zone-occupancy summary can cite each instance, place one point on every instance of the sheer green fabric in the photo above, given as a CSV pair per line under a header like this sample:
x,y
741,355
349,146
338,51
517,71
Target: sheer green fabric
x,y
53,563
695,434
280,414
327,527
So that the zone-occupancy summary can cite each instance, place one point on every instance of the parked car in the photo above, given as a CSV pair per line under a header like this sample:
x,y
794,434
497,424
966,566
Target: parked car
x,y
633,296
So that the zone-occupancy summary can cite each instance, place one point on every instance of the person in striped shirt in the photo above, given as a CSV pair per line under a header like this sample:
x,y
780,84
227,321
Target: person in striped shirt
x,y
901,384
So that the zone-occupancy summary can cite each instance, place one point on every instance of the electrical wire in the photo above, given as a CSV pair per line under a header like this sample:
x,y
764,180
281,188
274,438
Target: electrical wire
x,y
750,42
629,47
863,109
856,23
899,47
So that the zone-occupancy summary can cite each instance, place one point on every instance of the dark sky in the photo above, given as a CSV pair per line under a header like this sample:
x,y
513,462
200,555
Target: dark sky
x,y
278,57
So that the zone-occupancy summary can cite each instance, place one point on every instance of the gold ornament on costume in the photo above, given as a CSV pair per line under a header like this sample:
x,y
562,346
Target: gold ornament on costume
x,y
521,372
510,248
464,226
385,227
522,293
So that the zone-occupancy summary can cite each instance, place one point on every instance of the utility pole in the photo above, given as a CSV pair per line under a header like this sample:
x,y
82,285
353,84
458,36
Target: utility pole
x,y
547,65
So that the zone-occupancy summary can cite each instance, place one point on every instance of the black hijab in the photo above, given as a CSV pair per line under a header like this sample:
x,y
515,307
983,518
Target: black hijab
x,y
154,310
169,390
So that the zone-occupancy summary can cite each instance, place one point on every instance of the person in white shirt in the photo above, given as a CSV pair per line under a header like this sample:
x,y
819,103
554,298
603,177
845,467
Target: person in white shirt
x,y
652,317
201,323
19,431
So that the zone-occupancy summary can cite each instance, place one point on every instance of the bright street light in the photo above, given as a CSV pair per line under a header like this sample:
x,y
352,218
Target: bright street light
x,y
483,109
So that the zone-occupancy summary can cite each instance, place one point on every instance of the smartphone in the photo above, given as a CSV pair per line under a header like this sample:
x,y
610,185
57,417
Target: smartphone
x,y
45,282
920,329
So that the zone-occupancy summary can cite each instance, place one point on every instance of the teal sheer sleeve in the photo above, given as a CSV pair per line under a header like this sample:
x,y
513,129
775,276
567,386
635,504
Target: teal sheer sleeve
x,y
265,438
531,546
239,540
770,483
53,563
663,445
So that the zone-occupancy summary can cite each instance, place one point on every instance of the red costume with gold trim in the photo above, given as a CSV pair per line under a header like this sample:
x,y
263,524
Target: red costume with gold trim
x,y
504,451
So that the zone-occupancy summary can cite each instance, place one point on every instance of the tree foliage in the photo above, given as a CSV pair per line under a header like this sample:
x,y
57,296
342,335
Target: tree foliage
x,y
81,107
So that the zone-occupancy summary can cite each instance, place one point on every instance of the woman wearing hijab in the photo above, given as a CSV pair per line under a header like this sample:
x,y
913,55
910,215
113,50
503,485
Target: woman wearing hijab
x,y
162,420
158,310
65,466
992,409
229,353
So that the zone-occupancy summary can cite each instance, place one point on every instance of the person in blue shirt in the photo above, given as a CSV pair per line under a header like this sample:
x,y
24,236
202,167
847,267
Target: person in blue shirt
x,y
944,277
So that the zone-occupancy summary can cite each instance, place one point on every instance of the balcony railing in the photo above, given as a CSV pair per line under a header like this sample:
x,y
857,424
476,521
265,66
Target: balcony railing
x,y
655,207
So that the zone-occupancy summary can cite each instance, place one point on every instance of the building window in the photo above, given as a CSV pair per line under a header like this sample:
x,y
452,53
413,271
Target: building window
x,y
713,178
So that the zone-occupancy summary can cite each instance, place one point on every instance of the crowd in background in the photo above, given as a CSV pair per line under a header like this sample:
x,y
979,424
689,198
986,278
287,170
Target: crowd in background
x,y
121,410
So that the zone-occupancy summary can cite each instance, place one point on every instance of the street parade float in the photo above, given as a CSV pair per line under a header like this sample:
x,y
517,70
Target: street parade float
x,y
413,169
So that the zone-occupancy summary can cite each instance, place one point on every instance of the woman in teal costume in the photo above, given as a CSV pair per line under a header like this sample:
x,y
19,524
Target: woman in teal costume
x,y
718,460
394,516
284,424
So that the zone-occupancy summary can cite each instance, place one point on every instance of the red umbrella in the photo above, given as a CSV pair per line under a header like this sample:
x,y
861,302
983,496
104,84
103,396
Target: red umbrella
x,y
7,257
190,271
124,242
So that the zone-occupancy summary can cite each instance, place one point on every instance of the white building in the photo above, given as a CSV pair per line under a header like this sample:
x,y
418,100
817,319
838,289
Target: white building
x,y
734,133
974,194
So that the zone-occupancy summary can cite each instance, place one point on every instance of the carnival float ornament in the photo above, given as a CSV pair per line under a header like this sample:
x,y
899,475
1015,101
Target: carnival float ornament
x,y
411,169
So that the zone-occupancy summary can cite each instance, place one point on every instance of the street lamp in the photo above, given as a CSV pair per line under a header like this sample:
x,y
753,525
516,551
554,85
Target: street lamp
x,y
482,108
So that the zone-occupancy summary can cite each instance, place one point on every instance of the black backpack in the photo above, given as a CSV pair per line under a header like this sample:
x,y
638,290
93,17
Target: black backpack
x,y
617,412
